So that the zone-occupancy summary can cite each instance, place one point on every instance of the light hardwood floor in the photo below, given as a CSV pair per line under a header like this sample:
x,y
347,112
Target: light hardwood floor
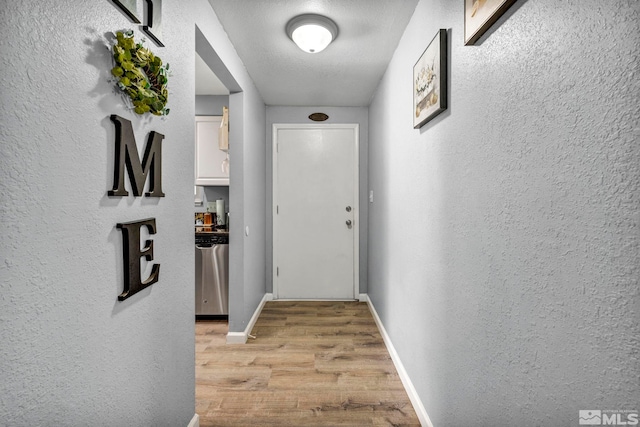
x,y
311,364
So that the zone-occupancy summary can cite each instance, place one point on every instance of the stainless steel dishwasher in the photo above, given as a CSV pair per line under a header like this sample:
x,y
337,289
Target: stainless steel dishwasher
x,y
212,274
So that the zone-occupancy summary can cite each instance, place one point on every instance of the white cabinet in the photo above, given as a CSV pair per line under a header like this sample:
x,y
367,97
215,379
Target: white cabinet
x,y
212,164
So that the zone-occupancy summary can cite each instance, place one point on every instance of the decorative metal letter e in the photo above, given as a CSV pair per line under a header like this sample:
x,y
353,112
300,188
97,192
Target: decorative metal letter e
x,y
132,253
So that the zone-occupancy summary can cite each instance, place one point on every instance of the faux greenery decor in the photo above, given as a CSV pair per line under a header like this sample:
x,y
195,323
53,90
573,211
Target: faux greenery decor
x,y
141,75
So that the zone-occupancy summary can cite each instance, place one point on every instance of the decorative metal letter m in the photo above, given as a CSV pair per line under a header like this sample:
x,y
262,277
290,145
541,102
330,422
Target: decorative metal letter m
x,y
127,154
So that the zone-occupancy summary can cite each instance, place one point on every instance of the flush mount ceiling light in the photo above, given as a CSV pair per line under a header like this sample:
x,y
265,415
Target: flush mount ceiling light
x,y
312,33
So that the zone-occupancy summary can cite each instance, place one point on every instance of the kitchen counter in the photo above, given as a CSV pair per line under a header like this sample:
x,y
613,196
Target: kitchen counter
x,y
204,229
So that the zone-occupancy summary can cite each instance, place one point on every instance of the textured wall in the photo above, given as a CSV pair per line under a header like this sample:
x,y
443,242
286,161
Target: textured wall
x,y
254,199
276,114
211,105
70,354
505,234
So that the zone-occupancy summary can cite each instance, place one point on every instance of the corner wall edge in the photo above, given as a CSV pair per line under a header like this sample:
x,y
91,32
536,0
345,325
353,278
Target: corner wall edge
x,y
241,337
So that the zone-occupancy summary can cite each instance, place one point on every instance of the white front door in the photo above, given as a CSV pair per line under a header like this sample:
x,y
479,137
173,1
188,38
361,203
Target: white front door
x,y
315,225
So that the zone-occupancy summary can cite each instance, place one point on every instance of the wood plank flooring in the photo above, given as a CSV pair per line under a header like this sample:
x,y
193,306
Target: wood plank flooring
x,y
312,364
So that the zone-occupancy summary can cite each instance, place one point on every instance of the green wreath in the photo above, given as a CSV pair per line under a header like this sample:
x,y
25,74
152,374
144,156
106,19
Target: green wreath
x,y
141,75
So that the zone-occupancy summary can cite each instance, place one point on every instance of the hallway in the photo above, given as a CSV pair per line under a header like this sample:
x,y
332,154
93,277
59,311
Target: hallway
x,y
311,363
499,241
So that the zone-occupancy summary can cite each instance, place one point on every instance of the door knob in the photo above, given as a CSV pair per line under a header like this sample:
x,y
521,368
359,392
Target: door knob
x,y
349,223
348,208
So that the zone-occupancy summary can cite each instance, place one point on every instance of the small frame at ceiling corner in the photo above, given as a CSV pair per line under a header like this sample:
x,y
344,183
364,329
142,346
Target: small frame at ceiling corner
x,y
480,15
430,81
129,8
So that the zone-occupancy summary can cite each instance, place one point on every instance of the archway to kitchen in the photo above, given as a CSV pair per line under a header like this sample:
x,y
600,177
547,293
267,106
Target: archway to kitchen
x,y
247,148
231,192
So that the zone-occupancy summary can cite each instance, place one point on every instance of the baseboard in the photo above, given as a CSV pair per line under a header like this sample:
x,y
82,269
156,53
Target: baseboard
x,y
241,337
404,377
195,421
236,338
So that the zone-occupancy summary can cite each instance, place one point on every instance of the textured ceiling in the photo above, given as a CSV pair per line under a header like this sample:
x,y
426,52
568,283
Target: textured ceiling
x,y
345,74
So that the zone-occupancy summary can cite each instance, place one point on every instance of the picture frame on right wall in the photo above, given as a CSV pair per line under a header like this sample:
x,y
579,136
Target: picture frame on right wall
x,y
430,81
480,15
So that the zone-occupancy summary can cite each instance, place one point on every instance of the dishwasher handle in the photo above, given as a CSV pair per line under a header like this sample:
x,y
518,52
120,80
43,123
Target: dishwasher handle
x,y
203,247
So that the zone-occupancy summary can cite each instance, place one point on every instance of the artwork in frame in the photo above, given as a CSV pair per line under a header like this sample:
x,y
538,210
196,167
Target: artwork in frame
x,y
130,8
480,15
430,81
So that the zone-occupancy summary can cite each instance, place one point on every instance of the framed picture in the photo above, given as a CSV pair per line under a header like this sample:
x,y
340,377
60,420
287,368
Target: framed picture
x,y
479,15
129,8
430,81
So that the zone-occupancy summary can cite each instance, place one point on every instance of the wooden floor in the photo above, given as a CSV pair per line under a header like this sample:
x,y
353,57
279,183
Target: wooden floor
x,y
311,364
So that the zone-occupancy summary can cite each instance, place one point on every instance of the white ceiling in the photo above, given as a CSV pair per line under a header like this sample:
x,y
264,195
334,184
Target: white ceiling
x,y
345,74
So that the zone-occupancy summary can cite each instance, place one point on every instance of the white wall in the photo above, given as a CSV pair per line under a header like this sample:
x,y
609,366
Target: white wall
x,y
504,239
71,354
359,115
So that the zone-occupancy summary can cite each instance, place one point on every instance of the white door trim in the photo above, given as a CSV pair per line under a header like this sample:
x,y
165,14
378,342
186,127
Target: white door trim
x,y
356,197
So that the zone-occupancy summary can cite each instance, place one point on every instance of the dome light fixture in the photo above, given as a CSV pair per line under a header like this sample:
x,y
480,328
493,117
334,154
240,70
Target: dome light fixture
x,y
312,33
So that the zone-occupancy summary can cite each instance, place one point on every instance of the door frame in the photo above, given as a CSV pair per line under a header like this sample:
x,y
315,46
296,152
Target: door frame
x,y
356,196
